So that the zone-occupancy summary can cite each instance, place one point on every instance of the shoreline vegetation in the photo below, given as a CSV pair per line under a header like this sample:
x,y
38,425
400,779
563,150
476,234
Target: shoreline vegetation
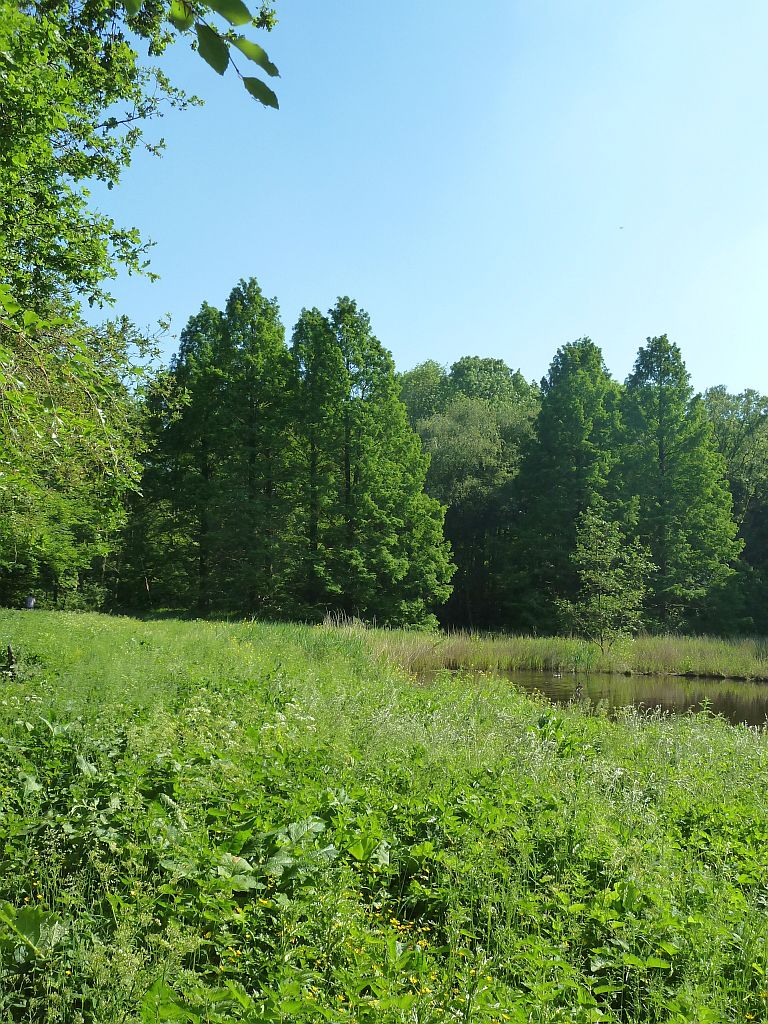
x,y
237,822
703,657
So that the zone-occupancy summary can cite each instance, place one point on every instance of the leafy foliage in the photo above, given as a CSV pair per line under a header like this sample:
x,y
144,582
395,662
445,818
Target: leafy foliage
x,y
287,482
76,98
671,466
613,574
68,447
261,822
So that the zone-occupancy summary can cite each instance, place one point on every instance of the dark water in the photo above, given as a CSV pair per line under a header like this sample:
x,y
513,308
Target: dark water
x,y
736,701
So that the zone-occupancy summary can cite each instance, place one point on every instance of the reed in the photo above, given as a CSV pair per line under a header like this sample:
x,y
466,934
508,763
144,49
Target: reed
x,y
669,654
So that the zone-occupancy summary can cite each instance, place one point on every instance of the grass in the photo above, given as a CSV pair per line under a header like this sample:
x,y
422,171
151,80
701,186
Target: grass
x,y
218,822
742,658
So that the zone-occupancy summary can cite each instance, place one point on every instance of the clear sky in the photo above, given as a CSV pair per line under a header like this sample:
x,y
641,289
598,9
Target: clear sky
x,y
493,178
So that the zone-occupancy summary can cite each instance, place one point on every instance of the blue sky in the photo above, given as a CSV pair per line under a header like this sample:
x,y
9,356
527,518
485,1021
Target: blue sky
x,y
485,179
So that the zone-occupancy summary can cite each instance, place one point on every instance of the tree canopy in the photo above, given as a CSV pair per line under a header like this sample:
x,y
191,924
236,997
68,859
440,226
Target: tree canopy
x,y
286,482
671,465
76,97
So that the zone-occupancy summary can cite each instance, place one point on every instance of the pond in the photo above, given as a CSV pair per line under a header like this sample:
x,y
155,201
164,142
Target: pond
x,y
737,701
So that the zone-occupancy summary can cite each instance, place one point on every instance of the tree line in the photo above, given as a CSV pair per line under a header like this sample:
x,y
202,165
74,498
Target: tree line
x,y
283,481
295,479
550,487
259,477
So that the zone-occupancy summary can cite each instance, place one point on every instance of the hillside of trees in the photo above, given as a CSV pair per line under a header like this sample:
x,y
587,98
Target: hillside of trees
x,y
292,479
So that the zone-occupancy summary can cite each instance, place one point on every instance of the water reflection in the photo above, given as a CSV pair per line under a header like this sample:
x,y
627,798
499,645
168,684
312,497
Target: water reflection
x,y
736,701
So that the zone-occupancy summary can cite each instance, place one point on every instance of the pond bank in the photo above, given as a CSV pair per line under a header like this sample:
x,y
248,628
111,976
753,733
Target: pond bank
x,y
742,659
738,702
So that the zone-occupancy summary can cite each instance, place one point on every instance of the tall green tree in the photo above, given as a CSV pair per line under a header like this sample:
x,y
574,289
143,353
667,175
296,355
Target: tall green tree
x,y
474,446
473,422
740,428
566,470
671,467
373,538
322,388
218,514
255,568
184,481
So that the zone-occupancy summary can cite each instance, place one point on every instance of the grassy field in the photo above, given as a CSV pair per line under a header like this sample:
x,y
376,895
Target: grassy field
x,y
208,822
742,658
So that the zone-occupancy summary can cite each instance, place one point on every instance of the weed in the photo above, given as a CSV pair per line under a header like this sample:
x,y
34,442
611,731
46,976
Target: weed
x,y
211,822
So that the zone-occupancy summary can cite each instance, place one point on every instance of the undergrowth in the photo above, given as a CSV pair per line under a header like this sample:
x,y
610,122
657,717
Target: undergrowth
x,y
209,822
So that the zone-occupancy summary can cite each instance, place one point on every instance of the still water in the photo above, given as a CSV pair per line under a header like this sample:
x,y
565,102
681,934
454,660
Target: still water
x,y
736,701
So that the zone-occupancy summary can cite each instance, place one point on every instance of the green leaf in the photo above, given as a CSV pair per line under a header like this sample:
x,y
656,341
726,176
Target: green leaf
x,y
630,960
230,865
86,767
669,947
298,829
160,1004
363,847
257,54
278,863
31,785
181,15
7,301
133,6
261,92
234,11
655,961
212,48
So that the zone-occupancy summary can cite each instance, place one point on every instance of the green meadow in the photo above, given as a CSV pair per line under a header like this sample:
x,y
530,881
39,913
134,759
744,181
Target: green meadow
x,y
210,822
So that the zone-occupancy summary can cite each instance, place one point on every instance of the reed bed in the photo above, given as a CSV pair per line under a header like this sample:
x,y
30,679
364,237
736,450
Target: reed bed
x,y
704,656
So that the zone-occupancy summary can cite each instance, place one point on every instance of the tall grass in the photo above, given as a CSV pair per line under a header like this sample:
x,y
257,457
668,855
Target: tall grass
x,y
742,658
211,823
